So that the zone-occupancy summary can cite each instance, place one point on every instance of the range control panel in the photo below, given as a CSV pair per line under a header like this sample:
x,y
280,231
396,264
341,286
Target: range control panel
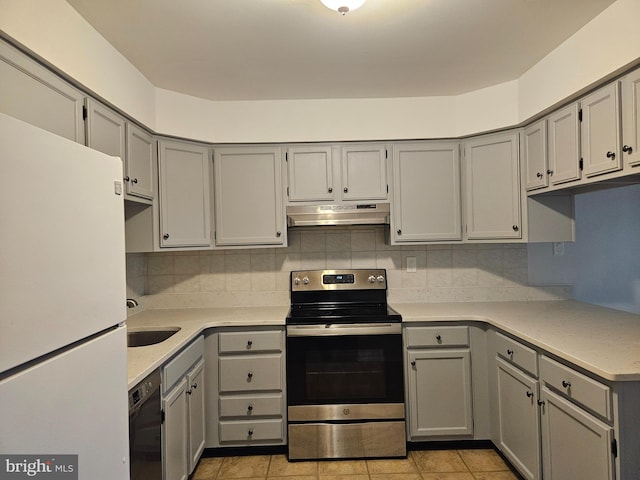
x,y
353,279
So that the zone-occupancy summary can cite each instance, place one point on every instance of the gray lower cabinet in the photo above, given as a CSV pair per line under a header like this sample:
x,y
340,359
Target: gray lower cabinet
x,y
183,403
519,419
250,401
438,378
576,445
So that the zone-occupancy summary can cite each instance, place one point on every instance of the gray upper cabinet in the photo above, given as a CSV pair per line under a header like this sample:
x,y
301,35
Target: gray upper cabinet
x,y
105,130
249,208
535,155
426,193
364,172
310,170
631,118
110,133
601,131
33,94
185,199
492,187
141,155
564,145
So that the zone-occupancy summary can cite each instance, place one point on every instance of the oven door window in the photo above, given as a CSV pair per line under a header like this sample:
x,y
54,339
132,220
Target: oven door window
x,y
328,370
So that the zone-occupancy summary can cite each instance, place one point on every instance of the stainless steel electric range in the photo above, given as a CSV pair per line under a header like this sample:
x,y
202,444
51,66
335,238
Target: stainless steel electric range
x,y
345,389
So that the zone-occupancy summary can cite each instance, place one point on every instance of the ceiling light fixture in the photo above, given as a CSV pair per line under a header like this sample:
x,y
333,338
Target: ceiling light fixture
x,y
343,6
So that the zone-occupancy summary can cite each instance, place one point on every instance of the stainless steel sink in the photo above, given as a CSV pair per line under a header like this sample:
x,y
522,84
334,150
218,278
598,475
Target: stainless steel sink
x,y
142,337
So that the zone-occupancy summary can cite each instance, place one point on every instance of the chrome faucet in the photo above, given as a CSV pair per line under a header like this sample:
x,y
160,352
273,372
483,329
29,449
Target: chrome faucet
x,y
131,303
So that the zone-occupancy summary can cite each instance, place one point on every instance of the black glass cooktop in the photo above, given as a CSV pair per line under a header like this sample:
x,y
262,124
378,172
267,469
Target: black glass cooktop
x,y
322,314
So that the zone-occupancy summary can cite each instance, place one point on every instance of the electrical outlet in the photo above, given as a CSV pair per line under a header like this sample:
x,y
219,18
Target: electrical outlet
x,y
558,248
412,264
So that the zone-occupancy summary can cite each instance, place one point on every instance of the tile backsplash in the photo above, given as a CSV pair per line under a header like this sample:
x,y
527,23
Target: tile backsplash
x,y
253,277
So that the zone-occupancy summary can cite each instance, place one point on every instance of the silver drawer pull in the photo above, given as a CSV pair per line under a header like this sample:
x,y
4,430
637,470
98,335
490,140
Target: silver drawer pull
x,y
509,352
194,386
249,376
249,344
250,432
529,394
566,384
250,408
439,338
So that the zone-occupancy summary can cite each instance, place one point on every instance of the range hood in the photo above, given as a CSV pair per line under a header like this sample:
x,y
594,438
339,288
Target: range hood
x,y
356,214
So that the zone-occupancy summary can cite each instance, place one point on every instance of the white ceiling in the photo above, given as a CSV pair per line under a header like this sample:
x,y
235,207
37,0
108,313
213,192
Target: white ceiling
x,y
295,49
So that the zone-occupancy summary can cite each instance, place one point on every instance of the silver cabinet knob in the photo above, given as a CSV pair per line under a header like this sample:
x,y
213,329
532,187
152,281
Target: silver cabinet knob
x,y
345,190
413,363
611,155
249,344
249,376
549,172
627,149
566,383
250,432
165,236
509,352
250,408
529,394
278,234
330,189
539,175
541,402
126,179
515,228
439,338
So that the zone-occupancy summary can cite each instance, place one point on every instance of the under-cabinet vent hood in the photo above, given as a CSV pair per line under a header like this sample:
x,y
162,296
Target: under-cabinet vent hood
x,y
360,214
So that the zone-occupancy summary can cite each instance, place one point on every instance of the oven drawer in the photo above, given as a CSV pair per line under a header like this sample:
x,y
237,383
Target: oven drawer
x,y
268,405
252,431
251,341
576,386
437,336
251,373
516,353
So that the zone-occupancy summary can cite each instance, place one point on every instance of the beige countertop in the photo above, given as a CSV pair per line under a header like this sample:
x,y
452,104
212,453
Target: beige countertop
x,y
603,341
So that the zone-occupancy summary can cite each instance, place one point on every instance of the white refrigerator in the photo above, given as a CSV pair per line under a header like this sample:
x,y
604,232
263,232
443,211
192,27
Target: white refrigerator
x,y
63,353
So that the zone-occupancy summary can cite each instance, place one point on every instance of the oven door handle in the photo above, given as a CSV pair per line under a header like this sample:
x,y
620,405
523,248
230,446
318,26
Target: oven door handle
x,y
333,329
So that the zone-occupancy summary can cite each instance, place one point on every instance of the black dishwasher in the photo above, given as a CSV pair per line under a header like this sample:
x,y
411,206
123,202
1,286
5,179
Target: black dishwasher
x,y
145,429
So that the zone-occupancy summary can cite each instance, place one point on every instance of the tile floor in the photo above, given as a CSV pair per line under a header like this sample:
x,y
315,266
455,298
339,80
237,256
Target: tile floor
x,y
474,464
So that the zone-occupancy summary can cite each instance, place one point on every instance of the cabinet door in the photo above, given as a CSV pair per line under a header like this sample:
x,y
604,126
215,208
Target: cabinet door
x,y
248,196
631,118
574,444
310,173
439,393
195,390
105,130
175,433
519,417
34,95
493,187
364,172
601,131
426,192
535,155
185,219
564,145
139,162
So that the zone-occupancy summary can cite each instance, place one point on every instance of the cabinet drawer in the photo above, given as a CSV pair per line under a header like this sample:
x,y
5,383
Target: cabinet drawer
x,y
251,405
175,369
251,431
437,336
578,387
516,353
250,341
250,373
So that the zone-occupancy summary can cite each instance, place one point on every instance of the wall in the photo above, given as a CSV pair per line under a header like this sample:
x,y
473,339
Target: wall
x,y
604,262
53,30
484,272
